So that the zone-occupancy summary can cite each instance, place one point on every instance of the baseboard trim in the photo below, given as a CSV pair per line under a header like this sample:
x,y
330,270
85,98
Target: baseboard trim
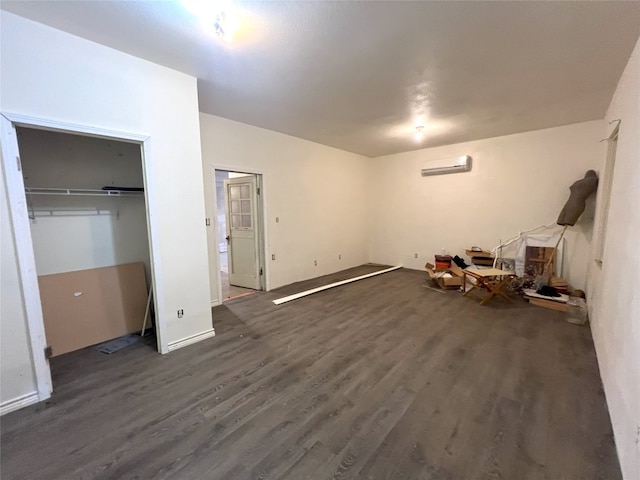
x,y
295,296
215,303
20,402
191,340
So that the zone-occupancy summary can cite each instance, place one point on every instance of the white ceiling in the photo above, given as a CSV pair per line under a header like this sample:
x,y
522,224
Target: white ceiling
x,y
361,75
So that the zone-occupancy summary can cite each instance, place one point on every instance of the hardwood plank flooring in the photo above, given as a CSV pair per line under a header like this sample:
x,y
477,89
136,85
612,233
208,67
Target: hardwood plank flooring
x,y
378,379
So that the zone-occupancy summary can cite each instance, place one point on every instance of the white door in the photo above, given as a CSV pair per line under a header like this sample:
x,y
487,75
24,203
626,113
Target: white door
x,y
242,231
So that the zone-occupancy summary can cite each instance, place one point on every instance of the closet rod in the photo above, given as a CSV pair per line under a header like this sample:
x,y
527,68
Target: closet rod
x,y
80,191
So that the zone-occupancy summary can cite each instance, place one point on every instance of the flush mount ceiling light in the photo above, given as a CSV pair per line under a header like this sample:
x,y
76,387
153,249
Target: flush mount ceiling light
x,y
419,135
225,25
214,15
219,25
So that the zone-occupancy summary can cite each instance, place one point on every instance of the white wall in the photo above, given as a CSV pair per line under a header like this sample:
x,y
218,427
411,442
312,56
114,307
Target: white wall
x,y
81,232
518,182
50,74
614,291
317,192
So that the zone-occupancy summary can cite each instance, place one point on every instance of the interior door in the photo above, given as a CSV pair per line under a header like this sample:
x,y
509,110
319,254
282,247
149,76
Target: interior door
x,y
242,231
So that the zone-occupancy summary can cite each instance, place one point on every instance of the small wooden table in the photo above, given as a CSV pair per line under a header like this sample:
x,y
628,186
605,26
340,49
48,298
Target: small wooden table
x,y
490,279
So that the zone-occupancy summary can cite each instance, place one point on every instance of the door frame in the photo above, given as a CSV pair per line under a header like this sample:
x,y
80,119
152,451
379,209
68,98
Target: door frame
x,y
261,215
234,235
19,220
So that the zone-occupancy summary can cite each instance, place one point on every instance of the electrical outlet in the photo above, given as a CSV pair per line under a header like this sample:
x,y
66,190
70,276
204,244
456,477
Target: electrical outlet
x,y
180,313
273,256
315,263
415,255
277,219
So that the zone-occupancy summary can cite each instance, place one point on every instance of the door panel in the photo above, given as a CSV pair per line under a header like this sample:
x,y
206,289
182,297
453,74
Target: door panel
x,y
241,208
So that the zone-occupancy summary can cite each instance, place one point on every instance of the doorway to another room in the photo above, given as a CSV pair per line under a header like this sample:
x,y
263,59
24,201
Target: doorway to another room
x,y
239,237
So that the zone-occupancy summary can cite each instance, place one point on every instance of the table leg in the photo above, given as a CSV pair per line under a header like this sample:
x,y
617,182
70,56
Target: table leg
x,y
495,288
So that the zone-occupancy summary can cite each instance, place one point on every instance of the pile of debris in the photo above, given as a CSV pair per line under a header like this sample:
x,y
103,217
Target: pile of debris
x,y
448,273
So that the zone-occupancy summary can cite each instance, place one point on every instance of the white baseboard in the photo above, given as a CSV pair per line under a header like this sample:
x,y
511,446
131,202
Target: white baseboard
x,y
192,339
215,303
18,403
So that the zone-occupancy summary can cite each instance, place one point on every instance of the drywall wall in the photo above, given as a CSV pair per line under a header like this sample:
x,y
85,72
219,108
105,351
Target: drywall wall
x,y
317,193
50,74
614,287
518,182
17,379
83,232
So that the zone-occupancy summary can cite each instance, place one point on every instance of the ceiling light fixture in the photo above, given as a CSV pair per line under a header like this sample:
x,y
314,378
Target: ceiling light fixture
x,y
212,14
225,25
219,24
419,135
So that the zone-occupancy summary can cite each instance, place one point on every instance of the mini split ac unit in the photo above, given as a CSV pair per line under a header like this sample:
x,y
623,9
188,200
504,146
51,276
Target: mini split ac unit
x,y
447,165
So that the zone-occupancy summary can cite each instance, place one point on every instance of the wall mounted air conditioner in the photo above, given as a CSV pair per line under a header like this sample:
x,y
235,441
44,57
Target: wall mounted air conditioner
x,y
447,165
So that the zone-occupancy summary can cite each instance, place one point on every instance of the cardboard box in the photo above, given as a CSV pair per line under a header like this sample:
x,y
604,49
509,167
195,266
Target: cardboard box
x,y
554,303
482,261
448,278
561,307
483,254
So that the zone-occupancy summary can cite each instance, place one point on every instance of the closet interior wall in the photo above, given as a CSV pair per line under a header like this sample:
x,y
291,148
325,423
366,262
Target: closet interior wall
x,y
78,232
77,226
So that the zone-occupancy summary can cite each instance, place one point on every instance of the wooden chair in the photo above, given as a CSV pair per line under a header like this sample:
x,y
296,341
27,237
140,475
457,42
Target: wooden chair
x,y
492,280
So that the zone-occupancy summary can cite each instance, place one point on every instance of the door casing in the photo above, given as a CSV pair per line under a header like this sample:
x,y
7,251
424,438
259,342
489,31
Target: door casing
x,y
22,231
243,243
261,215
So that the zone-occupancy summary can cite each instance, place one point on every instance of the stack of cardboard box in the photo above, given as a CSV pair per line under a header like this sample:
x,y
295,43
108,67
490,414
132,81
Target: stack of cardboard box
x,y
447,278
560,284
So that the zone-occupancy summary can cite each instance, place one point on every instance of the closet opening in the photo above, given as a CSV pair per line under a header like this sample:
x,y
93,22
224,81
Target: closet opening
x,y
87,213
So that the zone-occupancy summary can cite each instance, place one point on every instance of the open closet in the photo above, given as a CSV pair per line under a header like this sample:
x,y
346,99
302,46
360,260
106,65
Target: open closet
x,y
88,220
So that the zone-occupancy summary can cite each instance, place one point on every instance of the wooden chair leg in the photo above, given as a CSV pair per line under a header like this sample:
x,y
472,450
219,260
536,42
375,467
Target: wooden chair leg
x,y
501,291
495,288
487,298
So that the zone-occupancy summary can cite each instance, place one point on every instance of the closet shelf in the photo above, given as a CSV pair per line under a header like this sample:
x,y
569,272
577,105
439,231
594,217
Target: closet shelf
x,y
82,191
69,212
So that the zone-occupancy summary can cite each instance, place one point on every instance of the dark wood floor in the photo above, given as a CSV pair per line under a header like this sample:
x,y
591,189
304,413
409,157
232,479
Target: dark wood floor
x,y
381,378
